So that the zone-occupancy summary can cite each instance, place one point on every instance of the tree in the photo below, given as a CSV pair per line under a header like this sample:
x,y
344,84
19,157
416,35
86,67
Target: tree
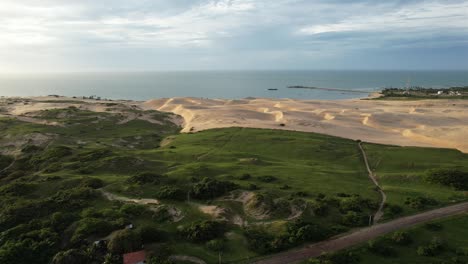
x,y
449,177
72,256
124,241
401,238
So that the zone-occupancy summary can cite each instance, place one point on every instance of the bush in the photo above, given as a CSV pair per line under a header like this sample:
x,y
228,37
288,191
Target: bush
x,y
449,177
420,202
145,178
379,247
93,183
133,210
71,256
401,238
354,219
173,193
259,240
209,188
433,249
124,241
433,226
17,189
337,258
93,226
267,178
393,210
216,245
245,176
203,231
150,234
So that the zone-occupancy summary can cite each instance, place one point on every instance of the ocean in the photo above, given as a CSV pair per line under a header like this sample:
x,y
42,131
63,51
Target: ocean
x,y
223,84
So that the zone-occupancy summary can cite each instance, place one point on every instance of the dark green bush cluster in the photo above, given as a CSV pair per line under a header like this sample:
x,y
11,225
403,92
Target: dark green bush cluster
x,y
336,258
381,247
449,177
420,202
209,188
267,178
203,231
401,238
261,241
434,248
145,178
172,193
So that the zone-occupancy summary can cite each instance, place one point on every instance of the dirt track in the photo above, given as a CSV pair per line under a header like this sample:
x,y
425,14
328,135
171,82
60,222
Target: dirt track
x,y
379,213
362,235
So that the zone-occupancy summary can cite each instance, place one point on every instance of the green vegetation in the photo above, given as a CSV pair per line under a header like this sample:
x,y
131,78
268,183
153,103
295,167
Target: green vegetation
x,y
421,244
236,192
418,93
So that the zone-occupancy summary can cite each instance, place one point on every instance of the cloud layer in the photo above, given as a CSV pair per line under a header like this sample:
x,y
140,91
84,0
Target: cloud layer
x,y
56,35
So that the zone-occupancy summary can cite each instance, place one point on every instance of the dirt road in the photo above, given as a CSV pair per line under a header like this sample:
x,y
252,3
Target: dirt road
x,y
362,235
379,213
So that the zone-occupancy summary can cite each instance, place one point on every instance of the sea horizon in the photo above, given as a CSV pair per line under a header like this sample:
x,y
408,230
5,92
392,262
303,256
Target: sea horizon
x,y
224,84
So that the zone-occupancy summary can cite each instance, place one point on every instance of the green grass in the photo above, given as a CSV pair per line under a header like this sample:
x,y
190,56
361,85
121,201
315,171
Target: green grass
x,y
454,234
303,162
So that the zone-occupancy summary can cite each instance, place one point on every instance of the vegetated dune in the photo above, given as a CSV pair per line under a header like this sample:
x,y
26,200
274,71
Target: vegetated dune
x,y
427,123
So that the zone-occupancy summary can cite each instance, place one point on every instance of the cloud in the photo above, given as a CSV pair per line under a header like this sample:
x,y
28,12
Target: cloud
x,y
222,32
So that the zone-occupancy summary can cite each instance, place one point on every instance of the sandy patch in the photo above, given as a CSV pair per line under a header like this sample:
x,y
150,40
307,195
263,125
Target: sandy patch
x,y
405,123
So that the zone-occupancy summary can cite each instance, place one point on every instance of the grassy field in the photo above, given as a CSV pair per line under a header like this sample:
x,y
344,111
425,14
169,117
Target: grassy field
x,y
448,237
283,185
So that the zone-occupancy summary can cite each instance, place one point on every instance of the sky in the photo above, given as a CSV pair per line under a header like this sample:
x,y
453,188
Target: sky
x,y
143,35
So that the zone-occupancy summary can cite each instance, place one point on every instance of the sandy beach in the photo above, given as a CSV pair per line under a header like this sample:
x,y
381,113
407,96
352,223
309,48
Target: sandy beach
x,y
428,123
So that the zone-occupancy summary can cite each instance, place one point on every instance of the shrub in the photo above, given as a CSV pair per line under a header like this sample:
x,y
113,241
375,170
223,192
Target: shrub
x,y
393,209
449,177
93,183
245,176
401,238
93,226
133,210
216,245
379,247
124,241
267,178
433,226
71,256
258,240
145,178
433,249
203,231
173,193
337,258
420,202
17,189
209,188
150,234
354,219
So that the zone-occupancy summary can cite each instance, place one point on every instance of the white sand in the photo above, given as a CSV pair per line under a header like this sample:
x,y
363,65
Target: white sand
x,y
428,123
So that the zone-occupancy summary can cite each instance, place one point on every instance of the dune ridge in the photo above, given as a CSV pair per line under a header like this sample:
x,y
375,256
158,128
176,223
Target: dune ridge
x,y
427,123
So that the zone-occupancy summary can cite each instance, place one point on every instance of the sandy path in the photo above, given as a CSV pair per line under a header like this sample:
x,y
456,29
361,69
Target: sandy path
x,y
115,197
362,235
379,213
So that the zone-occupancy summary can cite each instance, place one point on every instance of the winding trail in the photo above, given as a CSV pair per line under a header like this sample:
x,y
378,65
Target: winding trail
x,y
379,213
8,167
362,235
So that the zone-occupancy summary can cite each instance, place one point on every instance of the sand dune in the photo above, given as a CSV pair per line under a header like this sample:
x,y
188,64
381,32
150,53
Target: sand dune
x,y
428,123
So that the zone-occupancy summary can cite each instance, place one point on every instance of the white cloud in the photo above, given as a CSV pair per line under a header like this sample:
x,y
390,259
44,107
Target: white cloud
x,y
416,17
